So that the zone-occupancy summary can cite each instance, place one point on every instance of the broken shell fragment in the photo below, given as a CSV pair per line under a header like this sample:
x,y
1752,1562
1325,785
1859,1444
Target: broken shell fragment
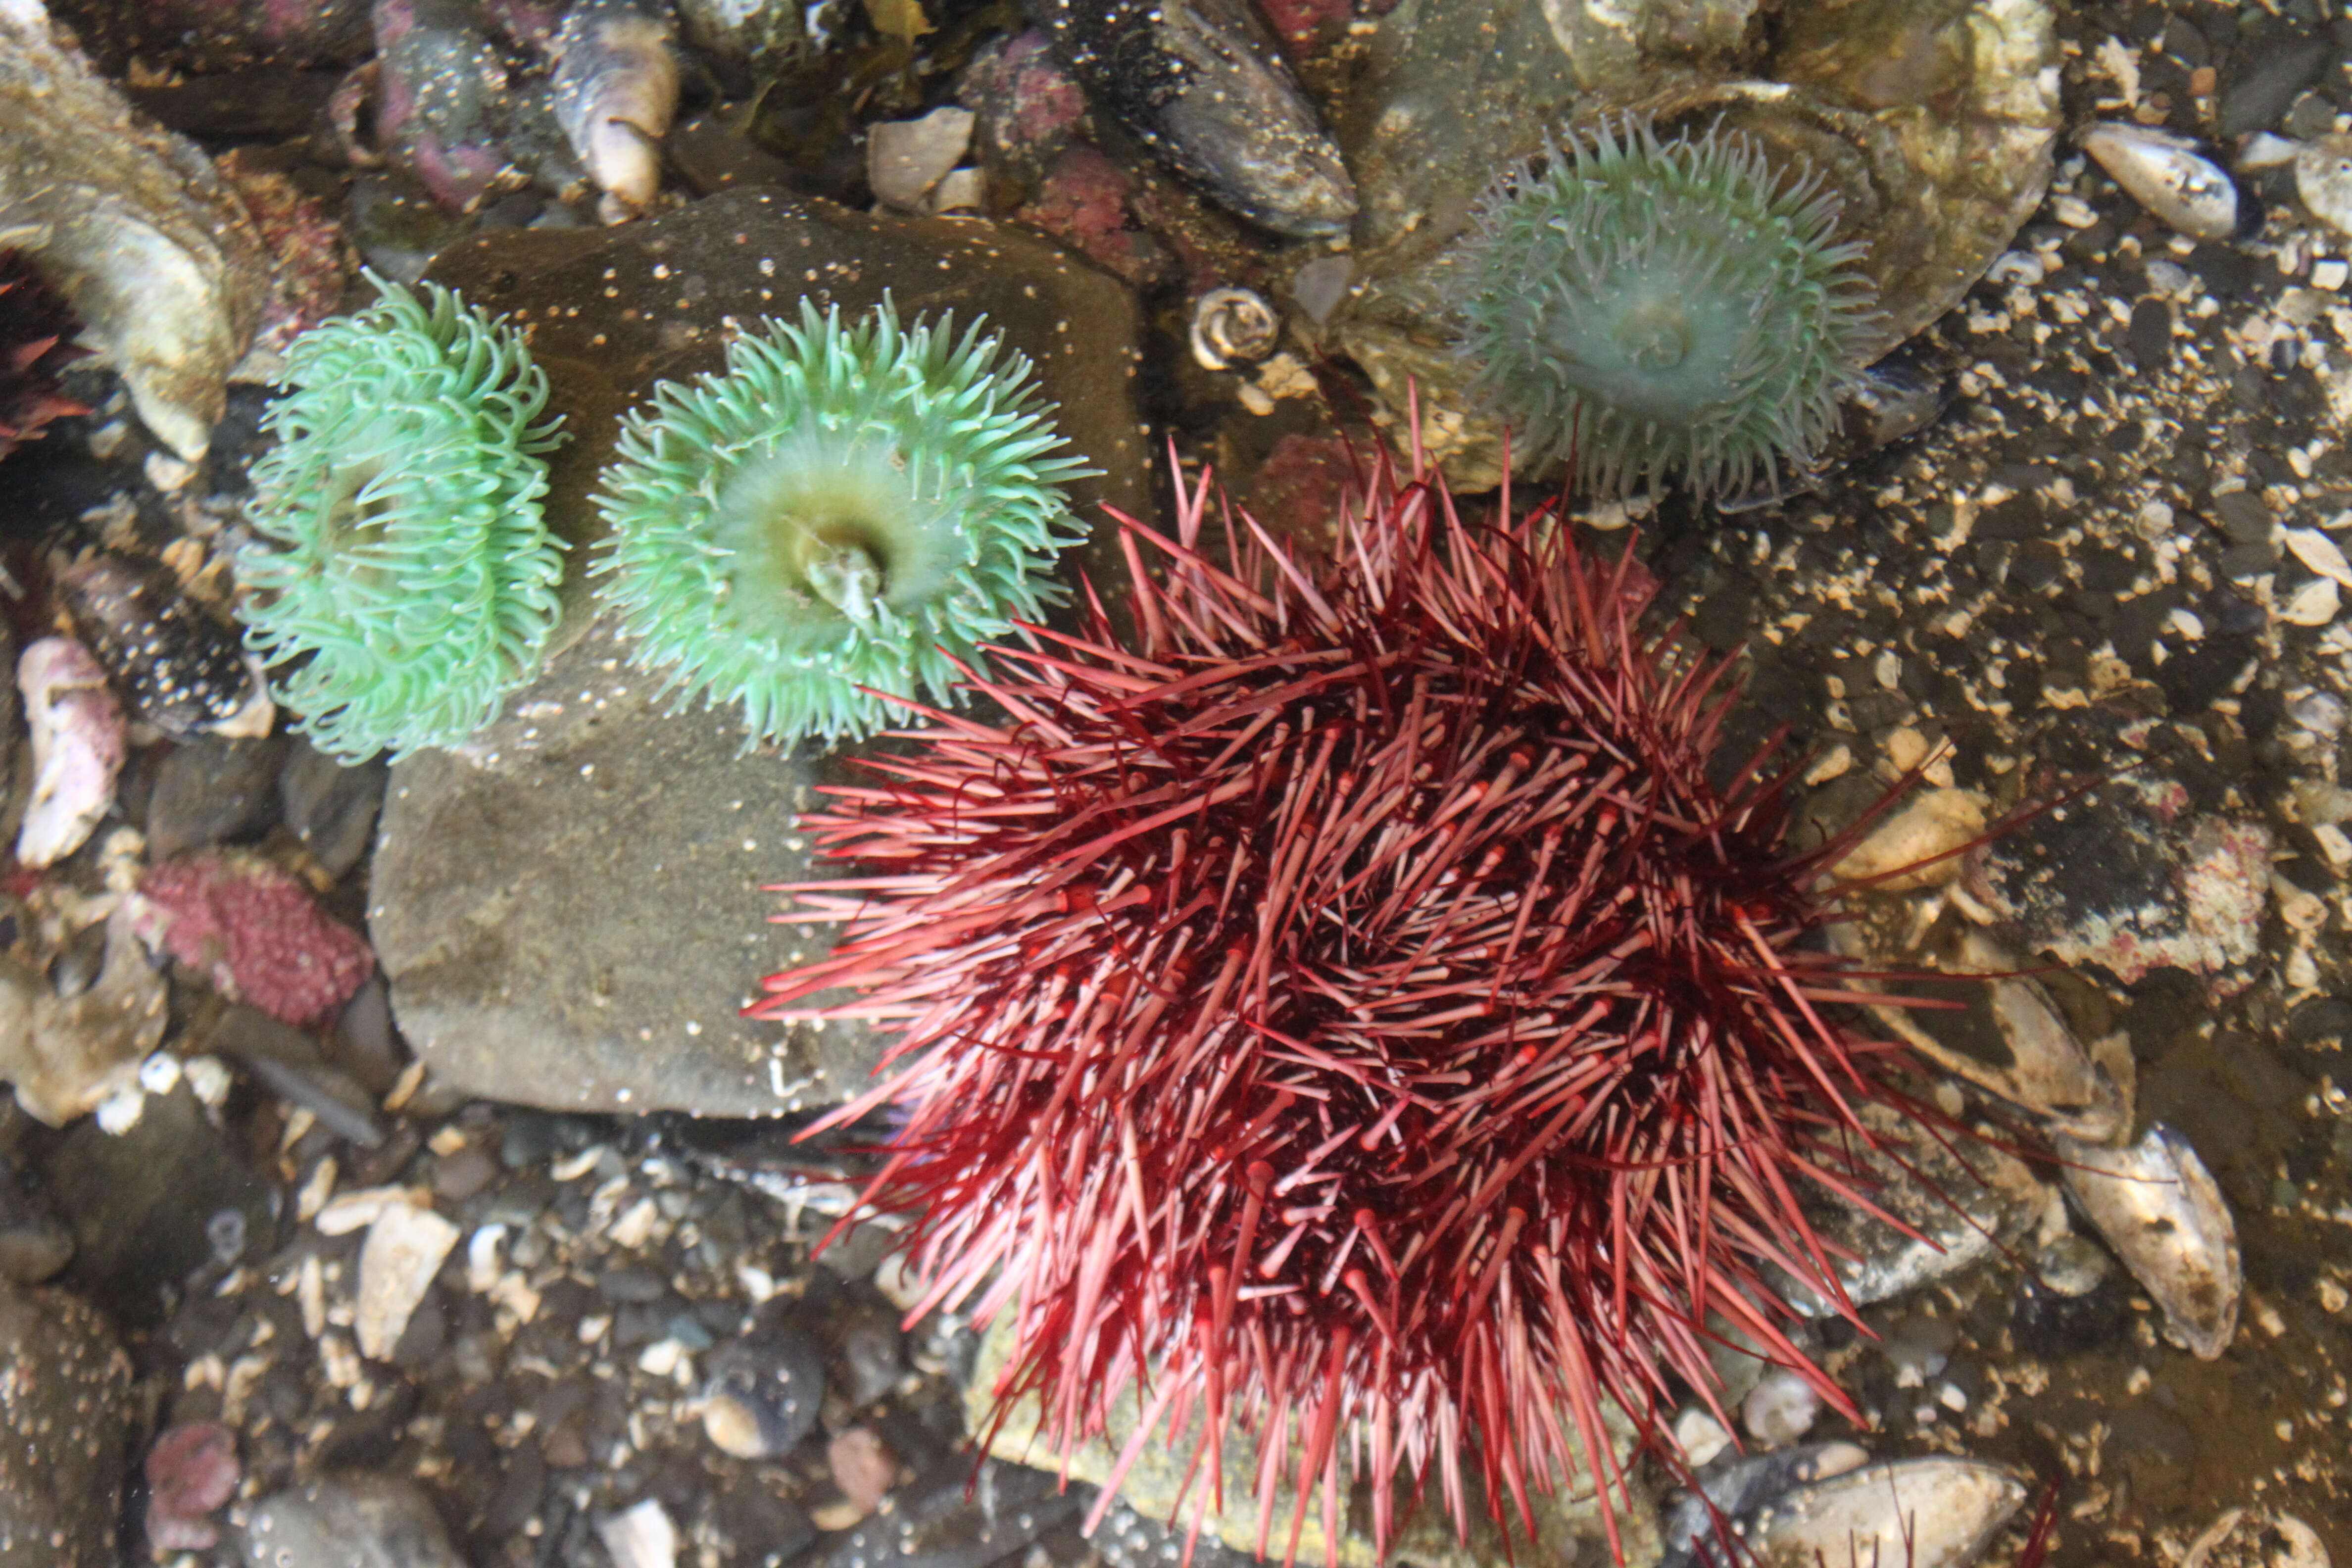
x,y
2168,175
1233,327
78,748
2162,1212
1933,1512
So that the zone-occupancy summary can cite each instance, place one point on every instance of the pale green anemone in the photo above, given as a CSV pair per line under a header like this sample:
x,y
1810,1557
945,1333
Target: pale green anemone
x,y
1643,309
408,582
845,510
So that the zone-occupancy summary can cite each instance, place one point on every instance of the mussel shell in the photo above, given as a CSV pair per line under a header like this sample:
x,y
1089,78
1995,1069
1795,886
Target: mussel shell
x,y
2162,1212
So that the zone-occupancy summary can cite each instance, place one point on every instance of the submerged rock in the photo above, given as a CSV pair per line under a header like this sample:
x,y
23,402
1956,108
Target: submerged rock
x,y
65,1416
571,913
1931,127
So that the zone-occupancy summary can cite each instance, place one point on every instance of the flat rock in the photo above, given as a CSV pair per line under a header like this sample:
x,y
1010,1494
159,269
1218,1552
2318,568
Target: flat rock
x,y
573,918
571,914
65,1415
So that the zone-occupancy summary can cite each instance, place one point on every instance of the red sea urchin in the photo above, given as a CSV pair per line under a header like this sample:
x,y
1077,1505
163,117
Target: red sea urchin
x,y
36,333
1350,1009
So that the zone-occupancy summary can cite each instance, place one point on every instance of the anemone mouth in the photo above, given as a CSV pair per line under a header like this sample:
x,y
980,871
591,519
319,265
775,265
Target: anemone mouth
x,y
822,521
837,521
1644,309
403,580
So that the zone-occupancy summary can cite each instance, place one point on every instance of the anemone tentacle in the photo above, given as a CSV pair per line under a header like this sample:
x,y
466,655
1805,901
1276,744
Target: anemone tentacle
x,y
407,580
1644,308
847,509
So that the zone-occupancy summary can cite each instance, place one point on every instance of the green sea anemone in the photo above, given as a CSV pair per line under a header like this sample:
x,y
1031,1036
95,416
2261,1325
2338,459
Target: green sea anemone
x,y
412,582
845,510
1642,307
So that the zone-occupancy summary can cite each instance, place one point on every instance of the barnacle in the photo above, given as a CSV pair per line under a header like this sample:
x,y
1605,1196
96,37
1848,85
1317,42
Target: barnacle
x,y
847,509
1642,307
408,582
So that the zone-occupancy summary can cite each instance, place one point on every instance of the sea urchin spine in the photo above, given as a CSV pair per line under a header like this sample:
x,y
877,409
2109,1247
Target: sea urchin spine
x,y
1647,308
413,582
847,509
1349,1012
36,342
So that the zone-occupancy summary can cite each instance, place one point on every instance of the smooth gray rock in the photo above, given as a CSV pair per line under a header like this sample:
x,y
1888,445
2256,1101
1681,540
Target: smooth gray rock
x,y
571,914
149,1205
330,804
65,1415
213,791
355,1520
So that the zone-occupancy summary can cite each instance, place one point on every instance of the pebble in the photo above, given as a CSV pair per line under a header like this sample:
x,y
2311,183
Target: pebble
x,y
1919,1349
330,806
2323,178
905,159
213,791
640,1537
348,1521
862,1466
61,1375
764,1394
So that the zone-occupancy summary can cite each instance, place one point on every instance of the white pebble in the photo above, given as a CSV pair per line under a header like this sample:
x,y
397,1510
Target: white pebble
x,y
2330,274
1699,1436
643,1537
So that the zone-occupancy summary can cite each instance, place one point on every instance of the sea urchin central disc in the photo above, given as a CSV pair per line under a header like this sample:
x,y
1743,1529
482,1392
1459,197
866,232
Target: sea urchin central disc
x,y
1647,308
846,510
1349,1011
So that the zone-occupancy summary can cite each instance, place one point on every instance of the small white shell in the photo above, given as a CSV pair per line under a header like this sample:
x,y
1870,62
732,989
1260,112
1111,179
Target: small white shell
x,y
1233,327
2163,1214
2167,174
1931,1513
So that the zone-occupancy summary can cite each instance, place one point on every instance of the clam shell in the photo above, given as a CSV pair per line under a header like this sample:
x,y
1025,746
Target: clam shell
x,y
2007,1038
2168,175
1960,1204
2162,1212
1737,1487
1932,1512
